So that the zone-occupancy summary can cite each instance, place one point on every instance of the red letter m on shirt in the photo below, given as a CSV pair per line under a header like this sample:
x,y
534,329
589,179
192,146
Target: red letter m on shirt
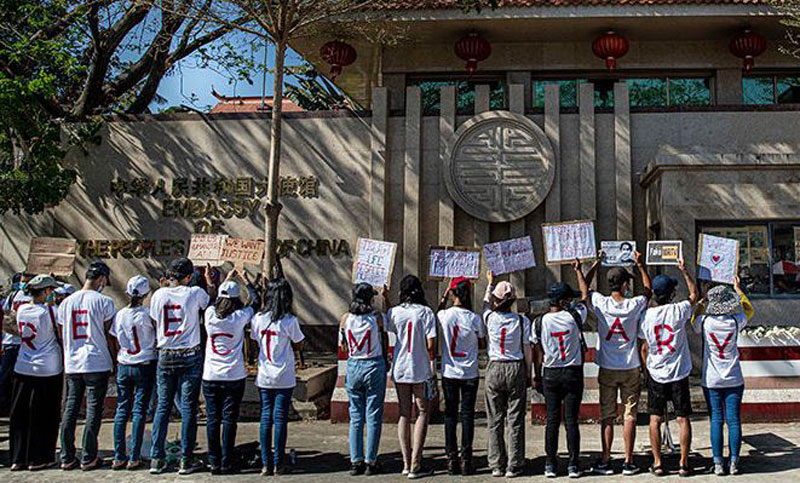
x,y
359,346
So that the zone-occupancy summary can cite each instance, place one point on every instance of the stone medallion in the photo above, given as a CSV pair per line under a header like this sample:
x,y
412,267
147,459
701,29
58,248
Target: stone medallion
x,y
501,166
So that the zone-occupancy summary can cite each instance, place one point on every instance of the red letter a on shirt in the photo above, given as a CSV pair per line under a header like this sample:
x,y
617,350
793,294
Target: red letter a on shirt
x,y
617,328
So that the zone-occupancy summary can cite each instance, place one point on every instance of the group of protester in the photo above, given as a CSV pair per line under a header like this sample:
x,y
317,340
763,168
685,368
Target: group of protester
x,y
56,332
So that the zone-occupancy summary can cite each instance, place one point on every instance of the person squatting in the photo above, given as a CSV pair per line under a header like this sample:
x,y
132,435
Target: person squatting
x,y
190,336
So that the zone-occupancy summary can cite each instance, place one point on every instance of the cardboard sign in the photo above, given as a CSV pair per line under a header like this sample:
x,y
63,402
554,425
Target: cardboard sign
x,y
717,258
509,255
564,242
240,251
664,252
374,262
452,262
205,249
618,253
52,255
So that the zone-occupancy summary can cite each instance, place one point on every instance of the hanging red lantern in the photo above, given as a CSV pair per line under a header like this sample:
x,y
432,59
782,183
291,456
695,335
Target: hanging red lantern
x,y
748,45
338,54
610,46
473,49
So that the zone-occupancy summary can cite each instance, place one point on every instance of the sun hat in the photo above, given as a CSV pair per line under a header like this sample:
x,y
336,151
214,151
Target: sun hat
x,y
42,281
723,300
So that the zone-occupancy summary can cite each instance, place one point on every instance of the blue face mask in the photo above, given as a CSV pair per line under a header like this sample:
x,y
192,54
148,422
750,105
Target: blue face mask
x,y
627,293
51,298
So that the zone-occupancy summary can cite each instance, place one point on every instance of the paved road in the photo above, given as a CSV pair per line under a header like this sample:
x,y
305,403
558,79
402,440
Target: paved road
x,y
770,451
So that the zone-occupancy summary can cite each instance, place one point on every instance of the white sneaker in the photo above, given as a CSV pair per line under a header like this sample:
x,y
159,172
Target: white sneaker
x,y
498,473
513,473
549,472
574,472
719,469
733,468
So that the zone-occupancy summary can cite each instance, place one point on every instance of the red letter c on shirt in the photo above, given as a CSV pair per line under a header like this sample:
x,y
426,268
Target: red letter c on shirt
x,y
214,343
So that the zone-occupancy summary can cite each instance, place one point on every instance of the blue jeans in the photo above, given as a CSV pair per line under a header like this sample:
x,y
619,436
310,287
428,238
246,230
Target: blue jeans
x,y
725,404
366,388
275,404
8,358
177,369
134,387
95,385
223,399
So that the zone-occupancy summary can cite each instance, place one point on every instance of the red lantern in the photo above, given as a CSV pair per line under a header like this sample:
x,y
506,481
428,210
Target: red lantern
x,y
610,46
748,45
473,49
338,54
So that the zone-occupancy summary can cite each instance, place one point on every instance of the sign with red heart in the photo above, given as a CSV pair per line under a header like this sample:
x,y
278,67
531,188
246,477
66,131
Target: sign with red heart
x,y
717,258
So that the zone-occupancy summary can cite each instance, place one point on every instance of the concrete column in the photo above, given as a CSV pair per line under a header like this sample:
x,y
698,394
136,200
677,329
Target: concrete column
x,y
516,104
622,155
552,204
447,128
522,78
413,156
588,192
480,227
378,163
396,83
728,86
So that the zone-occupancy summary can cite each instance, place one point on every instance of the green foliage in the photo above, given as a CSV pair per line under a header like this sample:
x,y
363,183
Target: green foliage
x,y
313,92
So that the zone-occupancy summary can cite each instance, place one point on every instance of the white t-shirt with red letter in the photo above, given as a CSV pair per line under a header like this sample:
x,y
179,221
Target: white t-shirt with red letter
x,y
413,324
83,315
224,355
507,333
275,355
39,352
721,367
14,302
617,329
363,336
177,311
561,337
664,330
461,329
134,330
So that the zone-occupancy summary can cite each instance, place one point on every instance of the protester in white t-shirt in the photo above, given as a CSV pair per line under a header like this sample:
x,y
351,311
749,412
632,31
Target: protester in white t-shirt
x,y
558,360
462,338
9,347
135,333
618,317
224,372
665,351
35,412
507,377
724,313
414,324
362,336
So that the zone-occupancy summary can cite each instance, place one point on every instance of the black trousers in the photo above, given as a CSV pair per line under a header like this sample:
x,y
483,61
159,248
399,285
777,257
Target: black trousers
x,y
563,386
465,390
35,416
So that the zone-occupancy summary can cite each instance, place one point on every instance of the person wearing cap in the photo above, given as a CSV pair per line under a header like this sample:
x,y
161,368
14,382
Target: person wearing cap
x,y
665,352
559,355
618,318
724,314
413,370
10,343
62,292
36,408
363,337
86,316
507,377
224,372
462,338
177,310
135,337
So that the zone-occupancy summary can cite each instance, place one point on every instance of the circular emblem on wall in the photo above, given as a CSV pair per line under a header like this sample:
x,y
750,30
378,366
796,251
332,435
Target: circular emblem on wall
x,y
501,166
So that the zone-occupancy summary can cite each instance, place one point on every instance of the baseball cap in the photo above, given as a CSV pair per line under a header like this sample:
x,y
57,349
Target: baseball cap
x,y
617,276
65,290
42,281
181,268
663,284
98,268
229,290
504,290
138,286
561,291
458,280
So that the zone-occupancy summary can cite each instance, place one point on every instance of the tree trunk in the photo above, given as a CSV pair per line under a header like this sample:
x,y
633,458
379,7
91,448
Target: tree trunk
x,y
273,206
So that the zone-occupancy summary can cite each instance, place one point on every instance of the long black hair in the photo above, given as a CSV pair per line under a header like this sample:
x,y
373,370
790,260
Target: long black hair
x,y
362,299
411,291
463,292
226,306
279,298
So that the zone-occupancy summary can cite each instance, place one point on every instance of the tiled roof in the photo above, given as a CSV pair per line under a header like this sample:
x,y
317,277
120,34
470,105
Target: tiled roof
x,y
454,4
249,104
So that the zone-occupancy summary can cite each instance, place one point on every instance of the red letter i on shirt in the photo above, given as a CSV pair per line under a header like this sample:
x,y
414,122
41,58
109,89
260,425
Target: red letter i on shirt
x,y
137,348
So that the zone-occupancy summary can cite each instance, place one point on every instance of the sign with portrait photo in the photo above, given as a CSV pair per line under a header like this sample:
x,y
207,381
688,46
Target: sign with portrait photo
x,y
664,252
452,262
374,262
717,258
564,242
618,253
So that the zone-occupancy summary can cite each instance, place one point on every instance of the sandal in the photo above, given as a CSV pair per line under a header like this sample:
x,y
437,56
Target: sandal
x,y
658,471
685,471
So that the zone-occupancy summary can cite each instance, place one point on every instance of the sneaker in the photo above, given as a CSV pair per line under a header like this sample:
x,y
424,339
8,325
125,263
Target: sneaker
x,y
498,473
265,471
157,466
404,472
373,469
734,468
215,470
421,472
550,471
134,465
630,469
575,472
119,465
719,469
94,464
357,468
602,468
513,472
70,465
453,466
187,467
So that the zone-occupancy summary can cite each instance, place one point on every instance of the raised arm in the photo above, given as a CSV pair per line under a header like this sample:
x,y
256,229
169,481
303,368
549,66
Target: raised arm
x,y
749,310
443,300
342,336
582,285
487,298
690,284
211,287
593,269
648,290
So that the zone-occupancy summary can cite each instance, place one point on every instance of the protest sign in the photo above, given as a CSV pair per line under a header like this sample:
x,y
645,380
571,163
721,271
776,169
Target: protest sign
x,y
374,262
664,252
240,251
451,262
717,258
618,253
564,242
52,255
206,249
509,255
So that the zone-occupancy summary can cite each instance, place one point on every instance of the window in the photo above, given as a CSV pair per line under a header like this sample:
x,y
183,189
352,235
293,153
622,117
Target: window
x,y
769,255
775,89
644,91
465,93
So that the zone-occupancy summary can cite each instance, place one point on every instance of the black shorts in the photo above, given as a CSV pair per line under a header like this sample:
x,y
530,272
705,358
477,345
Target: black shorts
x,y
678,392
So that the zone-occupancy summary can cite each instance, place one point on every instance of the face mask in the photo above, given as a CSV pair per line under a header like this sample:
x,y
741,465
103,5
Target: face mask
x,y
628,293
100,288
51,298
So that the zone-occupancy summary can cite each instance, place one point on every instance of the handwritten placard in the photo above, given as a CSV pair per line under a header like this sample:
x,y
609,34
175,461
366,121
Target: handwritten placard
x,y
717,258
618,253
240,251
52,255
205,249
564,242
664,252
374,262
451,262
509,255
